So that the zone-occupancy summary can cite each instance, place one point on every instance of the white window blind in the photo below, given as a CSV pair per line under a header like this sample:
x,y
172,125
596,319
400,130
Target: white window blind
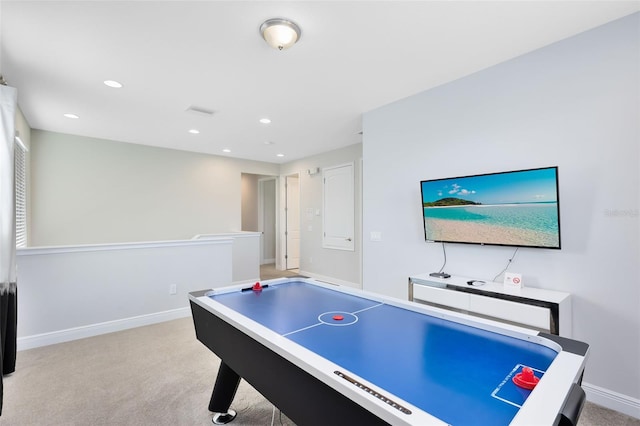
x,y
21,193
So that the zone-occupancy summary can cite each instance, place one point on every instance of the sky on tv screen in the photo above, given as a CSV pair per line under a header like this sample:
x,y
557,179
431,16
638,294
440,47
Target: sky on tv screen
x,y
529,186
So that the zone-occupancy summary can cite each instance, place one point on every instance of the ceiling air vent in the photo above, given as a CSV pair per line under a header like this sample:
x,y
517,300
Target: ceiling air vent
x,y
199,110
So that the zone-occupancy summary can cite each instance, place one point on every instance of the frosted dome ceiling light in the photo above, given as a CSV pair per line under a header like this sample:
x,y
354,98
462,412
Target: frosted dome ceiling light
x,y
280,33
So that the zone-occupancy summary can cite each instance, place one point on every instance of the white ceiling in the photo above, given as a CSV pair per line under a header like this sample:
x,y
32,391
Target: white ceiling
x,y
353,56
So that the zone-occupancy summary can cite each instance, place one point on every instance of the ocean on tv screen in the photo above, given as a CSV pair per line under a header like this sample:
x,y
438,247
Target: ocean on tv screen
x,y
534,224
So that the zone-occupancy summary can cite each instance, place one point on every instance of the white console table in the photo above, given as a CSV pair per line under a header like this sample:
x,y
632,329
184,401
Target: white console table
x,y
545,310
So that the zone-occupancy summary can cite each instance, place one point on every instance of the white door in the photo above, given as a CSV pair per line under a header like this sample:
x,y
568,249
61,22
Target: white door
x,y
293,222
339,208
267,219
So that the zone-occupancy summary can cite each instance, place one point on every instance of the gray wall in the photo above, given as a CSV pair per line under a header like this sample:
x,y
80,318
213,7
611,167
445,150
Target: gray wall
x,y
87,190
574,104
93,191
249,202
315,260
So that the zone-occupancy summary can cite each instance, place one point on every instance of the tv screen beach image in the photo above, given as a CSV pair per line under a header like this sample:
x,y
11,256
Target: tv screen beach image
x,y
517,208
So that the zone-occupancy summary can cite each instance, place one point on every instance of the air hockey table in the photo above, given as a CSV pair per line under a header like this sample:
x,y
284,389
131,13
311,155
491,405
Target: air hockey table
x,y
325,354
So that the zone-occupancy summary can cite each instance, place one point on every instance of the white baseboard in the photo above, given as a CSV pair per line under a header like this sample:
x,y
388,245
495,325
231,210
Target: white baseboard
x,y
330,280
45,339
268,261
612,400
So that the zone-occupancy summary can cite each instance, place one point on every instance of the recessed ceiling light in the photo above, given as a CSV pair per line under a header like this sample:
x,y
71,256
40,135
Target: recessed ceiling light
x,y
279,155
68,115
194,131
113,83
226,150
265,120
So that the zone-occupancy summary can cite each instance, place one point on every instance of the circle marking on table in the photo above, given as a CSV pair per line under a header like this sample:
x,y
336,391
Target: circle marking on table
x,y
337,318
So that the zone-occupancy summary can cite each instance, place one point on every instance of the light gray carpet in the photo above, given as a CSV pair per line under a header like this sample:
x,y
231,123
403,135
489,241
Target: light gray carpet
x,y
154,375
269,272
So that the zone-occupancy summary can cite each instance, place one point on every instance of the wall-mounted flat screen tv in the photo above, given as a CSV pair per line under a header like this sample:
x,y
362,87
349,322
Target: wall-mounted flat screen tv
x,y
515,208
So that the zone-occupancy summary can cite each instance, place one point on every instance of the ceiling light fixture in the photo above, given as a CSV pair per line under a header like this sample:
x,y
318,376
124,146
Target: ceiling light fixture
x,y
265,120
227,150
194,131
279,155
280,33
69,115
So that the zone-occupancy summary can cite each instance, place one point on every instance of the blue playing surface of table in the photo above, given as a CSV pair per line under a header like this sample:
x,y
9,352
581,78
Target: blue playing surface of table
x,y
457,373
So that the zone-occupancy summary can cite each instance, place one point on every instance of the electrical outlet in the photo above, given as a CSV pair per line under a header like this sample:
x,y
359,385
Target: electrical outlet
x,y
173,289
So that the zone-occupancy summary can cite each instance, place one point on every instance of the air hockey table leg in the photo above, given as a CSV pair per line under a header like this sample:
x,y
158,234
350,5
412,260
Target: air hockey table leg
x,y
223,393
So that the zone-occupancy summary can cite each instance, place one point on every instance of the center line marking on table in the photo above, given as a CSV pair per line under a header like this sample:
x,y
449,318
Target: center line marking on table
x,y
302,329
321,323
366,309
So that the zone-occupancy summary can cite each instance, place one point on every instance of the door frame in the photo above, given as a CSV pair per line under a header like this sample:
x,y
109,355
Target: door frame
x,y
281,224
261,211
